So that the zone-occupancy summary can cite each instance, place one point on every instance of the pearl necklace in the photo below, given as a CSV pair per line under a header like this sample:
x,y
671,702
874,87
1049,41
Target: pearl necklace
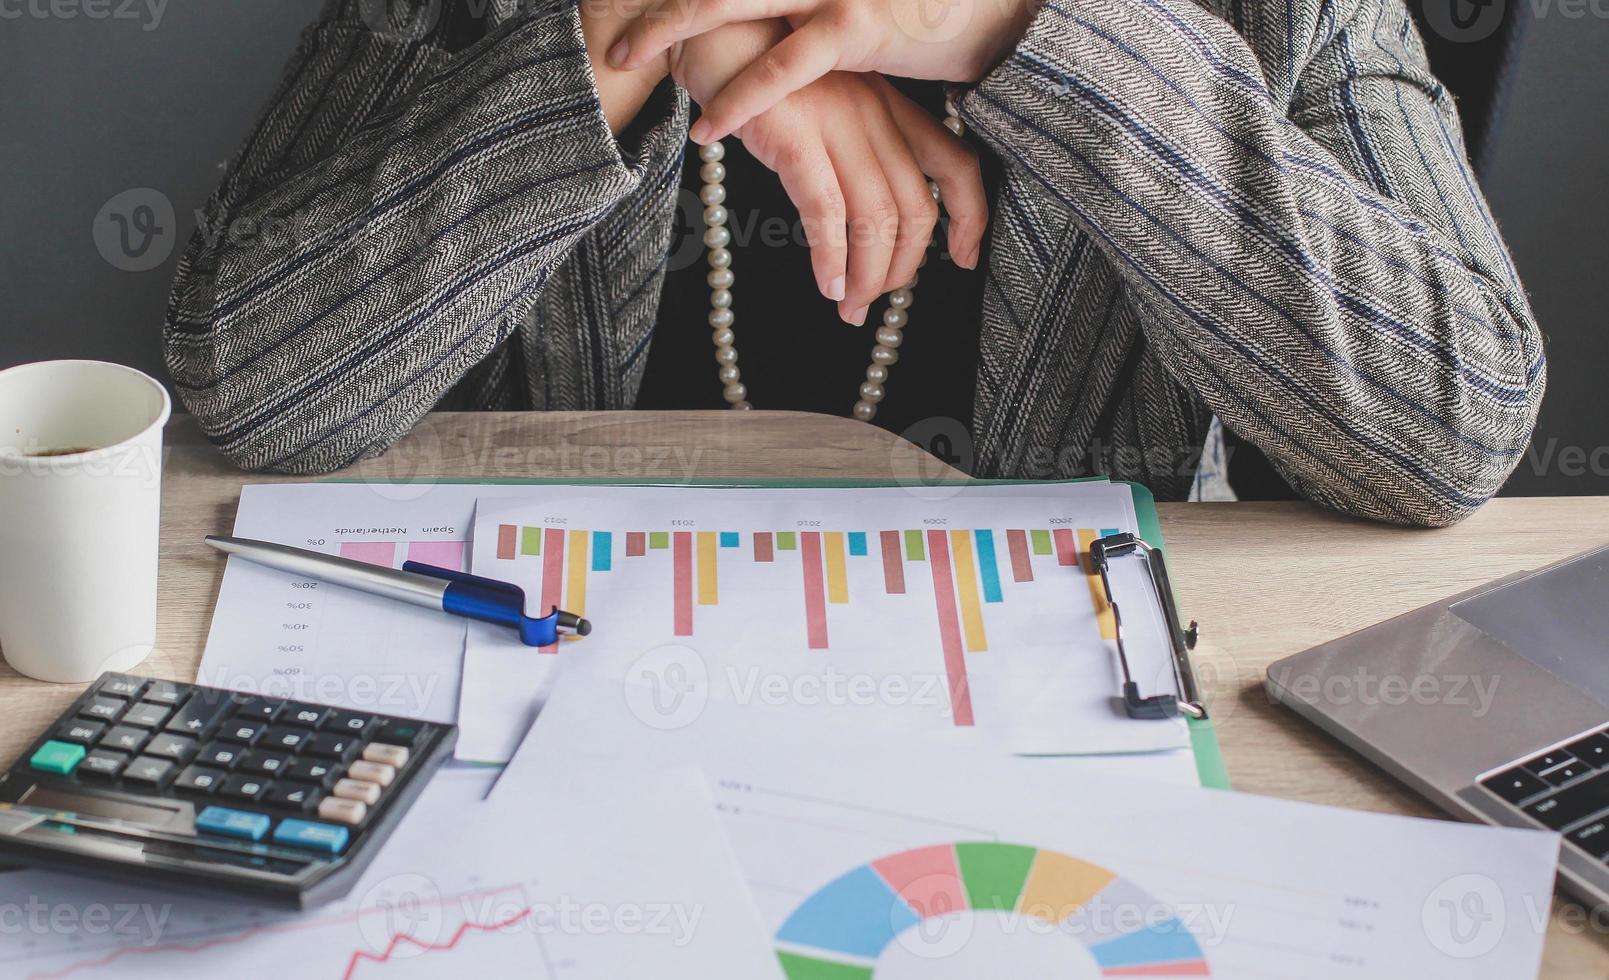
x,y
716,239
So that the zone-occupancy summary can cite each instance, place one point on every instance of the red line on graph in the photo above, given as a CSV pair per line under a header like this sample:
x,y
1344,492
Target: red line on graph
x,y
636,544
552,576
1177,968
764,546
506,533
682,560
955,661
1022,569
464,928
893,564
1066,547
814,590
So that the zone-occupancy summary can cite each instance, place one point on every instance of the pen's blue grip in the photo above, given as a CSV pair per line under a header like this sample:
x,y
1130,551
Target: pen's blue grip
x,y
491,601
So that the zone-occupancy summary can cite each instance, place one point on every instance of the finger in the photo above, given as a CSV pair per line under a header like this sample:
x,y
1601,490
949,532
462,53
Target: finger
x,y
918,212
953,165
796,61
664,22
873,221
812,185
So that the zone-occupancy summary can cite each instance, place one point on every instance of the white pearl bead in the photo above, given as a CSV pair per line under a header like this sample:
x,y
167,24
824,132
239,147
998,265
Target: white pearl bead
x,y
715,216
720,258
954,125
726,355
877,373
889,337
712,153
729,374
885,355
723,337
901,299
912,284
742,406
713,173
712,194
933,189
721,298
720,278
871,392
735,392
896,318
922,264
717,237
721,318
949,107
865,411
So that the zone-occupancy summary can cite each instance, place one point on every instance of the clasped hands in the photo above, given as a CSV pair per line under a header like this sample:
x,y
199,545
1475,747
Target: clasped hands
x,y
801,83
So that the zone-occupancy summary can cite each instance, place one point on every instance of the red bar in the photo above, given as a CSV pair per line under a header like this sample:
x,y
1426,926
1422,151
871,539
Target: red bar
x,y
506,533
955,663
764,548
893,564
682,558
636,544
814,589
1066,547
552,576
1022,570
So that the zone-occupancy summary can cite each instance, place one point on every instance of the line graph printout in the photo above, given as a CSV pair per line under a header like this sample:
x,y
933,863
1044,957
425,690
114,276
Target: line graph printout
x,y
877,856
593,888
977,612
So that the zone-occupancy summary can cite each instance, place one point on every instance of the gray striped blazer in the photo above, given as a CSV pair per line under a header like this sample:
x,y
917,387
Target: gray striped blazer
x,y
1257,210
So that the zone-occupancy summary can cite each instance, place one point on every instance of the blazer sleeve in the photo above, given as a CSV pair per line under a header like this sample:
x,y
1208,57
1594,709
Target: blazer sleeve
x,y
389,222
1322,271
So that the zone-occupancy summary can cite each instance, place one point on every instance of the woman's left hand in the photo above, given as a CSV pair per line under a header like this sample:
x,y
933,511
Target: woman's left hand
x,y
949,40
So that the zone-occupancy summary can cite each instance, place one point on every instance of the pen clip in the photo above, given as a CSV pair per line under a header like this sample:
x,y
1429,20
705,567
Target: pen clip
x,y
490,600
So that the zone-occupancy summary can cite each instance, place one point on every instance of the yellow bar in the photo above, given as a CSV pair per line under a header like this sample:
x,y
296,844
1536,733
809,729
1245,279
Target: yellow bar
x,y
966,586
707,594
1097,594
575,586
1058,886
837,579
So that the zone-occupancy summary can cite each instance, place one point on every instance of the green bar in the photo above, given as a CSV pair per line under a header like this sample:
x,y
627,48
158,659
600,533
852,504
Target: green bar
x,y
659,539
797,967
58,757
531,541
1041,538
994,873
913,546
787,541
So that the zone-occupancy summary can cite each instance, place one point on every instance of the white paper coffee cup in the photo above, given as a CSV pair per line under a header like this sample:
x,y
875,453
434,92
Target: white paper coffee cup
x,y
80,516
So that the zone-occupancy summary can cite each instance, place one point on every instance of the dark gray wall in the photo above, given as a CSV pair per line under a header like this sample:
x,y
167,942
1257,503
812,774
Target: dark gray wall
x,y
150,100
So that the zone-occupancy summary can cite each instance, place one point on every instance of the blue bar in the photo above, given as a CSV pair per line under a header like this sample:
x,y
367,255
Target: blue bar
x,y
857,914
314,836
729,539
1107,532
857,543
1165,942
602,542
987,568
232,823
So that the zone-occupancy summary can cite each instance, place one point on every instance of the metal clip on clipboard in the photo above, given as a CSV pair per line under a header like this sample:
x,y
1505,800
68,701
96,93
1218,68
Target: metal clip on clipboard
x,y
1187,700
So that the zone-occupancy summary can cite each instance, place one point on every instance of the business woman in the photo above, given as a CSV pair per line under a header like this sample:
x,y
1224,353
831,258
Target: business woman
x,y
1255,211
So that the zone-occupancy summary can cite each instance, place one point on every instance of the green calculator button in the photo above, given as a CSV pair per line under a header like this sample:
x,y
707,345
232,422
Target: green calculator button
x,y
54,756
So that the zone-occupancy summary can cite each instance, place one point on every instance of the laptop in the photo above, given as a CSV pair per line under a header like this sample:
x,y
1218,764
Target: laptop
x,y
1494,704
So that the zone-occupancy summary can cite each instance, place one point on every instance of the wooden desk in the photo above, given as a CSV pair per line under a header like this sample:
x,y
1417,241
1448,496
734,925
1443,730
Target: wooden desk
x,y
1265,580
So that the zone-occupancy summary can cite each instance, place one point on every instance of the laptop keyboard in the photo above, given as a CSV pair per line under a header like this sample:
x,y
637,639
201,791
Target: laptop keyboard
x,y
1564,789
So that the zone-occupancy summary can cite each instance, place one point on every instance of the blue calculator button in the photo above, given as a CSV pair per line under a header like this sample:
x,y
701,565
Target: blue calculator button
x,y
232,823
313,836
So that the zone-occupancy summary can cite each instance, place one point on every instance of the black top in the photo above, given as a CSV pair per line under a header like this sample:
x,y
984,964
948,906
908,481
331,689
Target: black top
x,y
794,351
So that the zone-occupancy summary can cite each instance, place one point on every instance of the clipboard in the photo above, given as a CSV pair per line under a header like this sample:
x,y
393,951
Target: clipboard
x,y
1210,768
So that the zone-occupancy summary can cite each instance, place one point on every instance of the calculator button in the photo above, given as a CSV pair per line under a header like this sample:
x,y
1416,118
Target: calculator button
x,y
106,709
372,772
1593,750
258,708
285,739
179,748
323,837
342,811
298,713
149,771
200,779
123,687
357,789
292,796
387,755
400,731
221,755
1515,785
147,715
57,757
82,732
163,692
242,731
347,722
1543,763
102,762
245,787
332,745
232,823
311,771
125,739
199,714
1567,772
265,763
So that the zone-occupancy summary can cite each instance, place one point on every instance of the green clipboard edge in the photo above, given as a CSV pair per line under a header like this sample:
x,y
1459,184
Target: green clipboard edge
x,y
1210,766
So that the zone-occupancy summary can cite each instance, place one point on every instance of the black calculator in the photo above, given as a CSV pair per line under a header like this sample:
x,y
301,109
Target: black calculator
x,y
156,782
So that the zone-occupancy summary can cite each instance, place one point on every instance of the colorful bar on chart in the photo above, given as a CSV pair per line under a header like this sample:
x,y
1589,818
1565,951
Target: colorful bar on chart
x,y
730,539
763,546
857,544
603,546
1022,567
966,587
913,546
893,564
636,544
955,663
837,574
682,583
575,586
814,591
708,590
659,540
1066,547
988,570
1041,539
442,554
787,541
1097,592
507,535
552,576
530,541
382,553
